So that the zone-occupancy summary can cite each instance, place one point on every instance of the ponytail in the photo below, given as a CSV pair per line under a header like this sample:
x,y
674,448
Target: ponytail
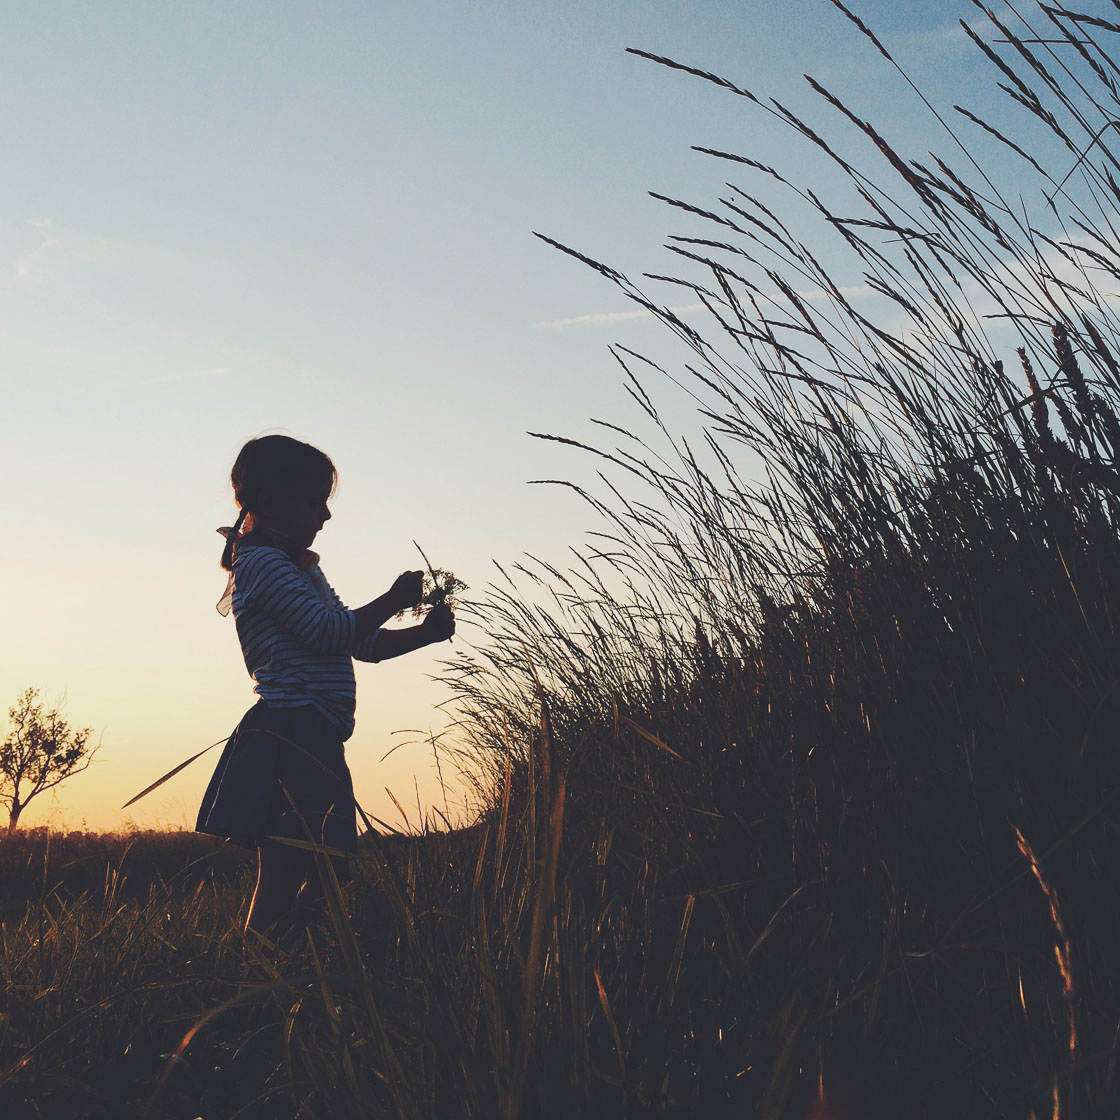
x,y
232,533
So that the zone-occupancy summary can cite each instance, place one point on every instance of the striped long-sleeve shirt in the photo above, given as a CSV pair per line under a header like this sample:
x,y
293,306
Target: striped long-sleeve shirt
x,y
297,637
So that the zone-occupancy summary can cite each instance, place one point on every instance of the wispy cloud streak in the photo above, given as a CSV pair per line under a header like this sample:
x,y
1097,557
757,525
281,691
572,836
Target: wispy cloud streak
x,y
602,318
605,318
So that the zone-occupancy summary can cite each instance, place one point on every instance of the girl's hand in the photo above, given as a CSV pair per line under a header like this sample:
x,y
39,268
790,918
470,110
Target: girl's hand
x,y
439,623
407,591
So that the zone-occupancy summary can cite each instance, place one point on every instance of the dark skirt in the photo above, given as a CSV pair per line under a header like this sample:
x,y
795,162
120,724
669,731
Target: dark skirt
x,y
282,773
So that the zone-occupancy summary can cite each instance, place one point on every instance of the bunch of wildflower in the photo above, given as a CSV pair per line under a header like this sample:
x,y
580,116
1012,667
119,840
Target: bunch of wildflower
x,y
440,586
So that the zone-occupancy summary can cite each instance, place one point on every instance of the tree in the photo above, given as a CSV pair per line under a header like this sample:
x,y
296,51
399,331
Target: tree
x,y
40,751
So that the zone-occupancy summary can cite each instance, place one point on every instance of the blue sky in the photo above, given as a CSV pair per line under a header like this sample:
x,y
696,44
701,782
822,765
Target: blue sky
x,y
219,220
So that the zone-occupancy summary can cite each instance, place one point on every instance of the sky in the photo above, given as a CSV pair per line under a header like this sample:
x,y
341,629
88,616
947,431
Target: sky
x,y
220,220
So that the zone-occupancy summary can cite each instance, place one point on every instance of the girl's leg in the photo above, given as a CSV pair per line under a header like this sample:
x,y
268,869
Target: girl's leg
x,y
312,900
281,874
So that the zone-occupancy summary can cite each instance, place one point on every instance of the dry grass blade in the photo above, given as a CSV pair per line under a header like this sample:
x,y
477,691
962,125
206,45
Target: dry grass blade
x,y
650,737
605,1004
171,773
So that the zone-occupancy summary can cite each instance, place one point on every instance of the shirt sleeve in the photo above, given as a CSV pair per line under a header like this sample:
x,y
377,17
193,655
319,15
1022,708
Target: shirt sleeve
x,y
366,650
269,580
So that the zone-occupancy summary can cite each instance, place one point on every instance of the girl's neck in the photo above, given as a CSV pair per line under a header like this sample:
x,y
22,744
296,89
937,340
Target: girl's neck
x,y
269,535
263,533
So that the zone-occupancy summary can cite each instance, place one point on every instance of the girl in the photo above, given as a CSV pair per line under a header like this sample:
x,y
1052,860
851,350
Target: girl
x,y
283,771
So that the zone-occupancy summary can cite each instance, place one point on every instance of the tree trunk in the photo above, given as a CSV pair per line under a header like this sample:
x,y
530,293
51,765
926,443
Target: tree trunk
x,y
13,816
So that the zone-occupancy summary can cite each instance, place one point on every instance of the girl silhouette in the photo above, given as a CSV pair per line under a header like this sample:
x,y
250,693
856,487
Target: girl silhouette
x,y
283,772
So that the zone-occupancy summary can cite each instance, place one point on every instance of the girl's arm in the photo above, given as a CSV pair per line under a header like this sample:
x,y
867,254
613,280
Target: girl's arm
x,y
438,625
271,582
392,643
406,591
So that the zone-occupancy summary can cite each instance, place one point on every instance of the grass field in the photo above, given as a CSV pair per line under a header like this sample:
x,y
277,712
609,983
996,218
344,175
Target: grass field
x,y
114,946
802,777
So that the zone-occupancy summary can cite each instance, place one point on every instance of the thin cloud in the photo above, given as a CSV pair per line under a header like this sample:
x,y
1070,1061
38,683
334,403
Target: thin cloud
x,y
601,318
605,318
64,255
61,252
950,34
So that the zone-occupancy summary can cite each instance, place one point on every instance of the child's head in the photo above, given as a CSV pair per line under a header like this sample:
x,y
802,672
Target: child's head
x,y
271,473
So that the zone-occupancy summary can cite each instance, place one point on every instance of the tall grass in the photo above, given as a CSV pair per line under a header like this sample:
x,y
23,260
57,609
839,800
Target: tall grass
x,y
817,668
801,778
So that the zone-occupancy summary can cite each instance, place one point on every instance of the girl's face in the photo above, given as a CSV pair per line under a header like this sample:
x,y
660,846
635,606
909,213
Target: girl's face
x,y
299,513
